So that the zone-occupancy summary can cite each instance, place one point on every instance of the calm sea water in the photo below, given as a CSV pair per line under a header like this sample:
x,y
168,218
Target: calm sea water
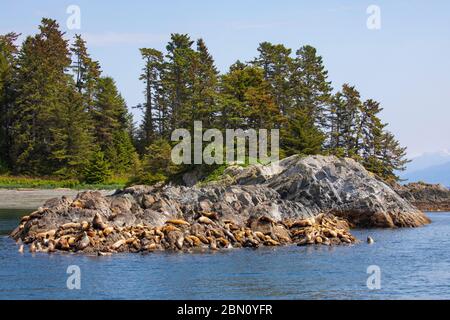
x,y
414,263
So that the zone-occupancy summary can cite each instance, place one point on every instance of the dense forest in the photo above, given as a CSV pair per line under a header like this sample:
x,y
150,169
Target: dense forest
x,y
61,117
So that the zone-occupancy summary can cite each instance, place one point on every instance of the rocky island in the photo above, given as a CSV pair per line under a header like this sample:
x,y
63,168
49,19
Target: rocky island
x,y
425,196
298,200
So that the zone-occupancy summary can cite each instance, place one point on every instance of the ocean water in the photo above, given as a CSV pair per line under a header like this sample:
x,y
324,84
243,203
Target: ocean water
x,y
413,264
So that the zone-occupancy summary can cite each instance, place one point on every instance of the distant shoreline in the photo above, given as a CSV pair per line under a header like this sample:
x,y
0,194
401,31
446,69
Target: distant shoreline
x,y
26,198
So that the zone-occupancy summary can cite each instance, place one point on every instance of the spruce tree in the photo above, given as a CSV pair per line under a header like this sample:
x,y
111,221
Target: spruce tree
x,y
344,121
310,85
178,80
8,61
277,64
86,70
154,111
98,169
42,84
301,135
72,143
110,113
205,85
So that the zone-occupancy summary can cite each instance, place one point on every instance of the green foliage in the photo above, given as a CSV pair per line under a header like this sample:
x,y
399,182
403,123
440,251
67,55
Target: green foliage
x,y
42,87
98,169
60,117
157,165
301,136
16,182
121,154
110,113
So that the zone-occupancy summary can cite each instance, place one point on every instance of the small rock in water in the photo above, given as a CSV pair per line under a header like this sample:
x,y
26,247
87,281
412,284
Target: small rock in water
x,y
370,240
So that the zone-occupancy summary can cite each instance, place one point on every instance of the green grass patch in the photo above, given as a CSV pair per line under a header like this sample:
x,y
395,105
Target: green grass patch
x,y
22,182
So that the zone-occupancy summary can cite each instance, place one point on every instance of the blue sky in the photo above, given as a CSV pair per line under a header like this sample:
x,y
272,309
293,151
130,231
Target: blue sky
x,y
405,65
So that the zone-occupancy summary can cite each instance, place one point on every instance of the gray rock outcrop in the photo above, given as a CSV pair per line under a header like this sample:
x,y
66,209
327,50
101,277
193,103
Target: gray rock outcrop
x,y
426,197
290,190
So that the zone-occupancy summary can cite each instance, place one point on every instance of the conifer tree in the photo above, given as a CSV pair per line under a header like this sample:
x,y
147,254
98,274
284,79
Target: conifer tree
x,y
392,156
8,60
86,70
121,154
344,120
98,169
110,113
178,80
277,64
42,84
310,85
72,143
301,135
246,101
154,110
205,86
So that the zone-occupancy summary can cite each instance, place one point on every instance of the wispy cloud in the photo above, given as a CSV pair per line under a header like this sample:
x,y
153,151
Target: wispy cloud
x,y
118,38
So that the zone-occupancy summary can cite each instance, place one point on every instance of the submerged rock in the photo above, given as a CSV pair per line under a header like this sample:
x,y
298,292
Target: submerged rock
x,y
311,200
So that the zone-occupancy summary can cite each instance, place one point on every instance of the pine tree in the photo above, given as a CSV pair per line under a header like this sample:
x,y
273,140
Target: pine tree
x,y
98,170
87,72
370,131
204,90
301,136
121,154
157,164
154,111
392,156
73,142
42,82
344,122
8,60
246,102
310,85
110,113
277,64
178,80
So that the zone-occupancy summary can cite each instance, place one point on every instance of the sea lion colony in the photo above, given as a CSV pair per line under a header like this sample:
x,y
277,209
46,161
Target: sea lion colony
x,y
205,233
300,200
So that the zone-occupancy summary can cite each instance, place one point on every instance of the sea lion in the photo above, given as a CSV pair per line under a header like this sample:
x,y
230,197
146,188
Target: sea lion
x,y
84,225
107,231
211,215
270,242
51,246
205,220
71,225
301,223
179,242
84,241
178,222
151,247
169,228
98,223
118,244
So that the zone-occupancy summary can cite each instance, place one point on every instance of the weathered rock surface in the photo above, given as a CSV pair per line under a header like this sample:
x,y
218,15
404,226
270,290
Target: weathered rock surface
x,y
301,200
426,197
340,186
